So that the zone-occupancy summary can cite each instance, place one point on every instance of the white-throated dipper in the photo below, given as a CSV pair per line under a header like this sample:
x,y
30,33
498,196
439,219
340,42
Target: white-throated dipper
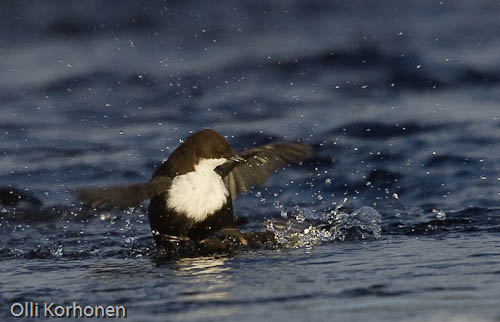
x,y
192,191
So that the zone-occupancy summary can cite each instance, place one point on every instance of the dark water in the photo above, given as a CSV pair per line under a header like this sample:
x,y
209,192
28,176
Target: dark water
x,y
400,101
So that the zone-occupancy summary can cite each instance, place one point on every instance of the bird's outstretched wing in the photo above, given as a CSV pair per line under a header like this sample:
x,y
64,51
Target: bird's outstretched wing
x,y
123,196
260,163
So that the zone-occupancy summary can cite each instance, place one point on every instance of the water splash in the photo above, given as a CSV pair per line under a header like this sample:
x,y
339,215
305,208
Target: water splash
x,y
361,224
441,215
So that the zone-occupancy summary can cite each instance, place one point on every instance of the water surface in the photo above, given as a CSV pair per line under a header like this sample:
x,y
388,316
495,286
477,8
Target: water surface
x,y
398,100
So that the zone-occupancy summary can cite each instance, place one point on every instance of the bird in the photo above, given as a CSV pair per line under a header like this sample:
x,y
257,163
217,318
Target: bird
x,y
191,193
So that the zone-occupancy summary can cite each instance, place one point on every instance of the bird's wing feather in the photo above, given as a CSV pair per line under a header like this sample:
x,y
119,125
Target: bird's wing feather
x,y
123,196
260,163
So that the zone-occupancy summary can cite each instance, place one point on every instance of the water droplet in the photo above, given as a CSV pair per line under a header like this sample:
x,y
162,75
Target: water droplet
x,y
328,181
258,194
284,213
441,215
300,217
59,251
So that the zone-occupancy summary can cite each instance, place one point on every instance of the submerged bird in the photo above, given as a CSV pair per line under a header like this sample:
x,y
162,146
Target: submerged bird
x,y
191,193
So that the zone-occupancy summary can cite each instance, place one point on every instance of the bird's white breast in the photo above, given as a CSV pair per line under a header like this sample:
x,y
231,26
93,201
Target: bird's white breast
x,y
198,193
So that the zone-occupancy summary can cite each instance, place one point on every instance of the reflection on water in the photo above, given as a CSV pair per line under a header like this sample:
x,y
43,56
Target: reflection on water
x,y
200,266
190,282
207,281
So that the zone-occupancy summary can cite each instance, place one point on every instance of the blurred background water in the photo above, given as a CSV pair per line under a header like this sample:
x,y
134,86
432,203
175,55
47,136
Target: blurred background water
x,y
400,101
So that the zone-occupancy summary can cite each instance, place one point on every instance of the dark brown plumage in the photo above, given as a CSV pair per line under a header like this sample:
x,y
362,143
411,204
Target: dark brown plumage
x,y
174,223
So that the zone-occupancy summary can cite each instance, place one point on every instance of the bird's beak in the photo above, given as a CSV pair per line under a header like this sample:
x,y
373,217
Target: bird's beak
x,y
237,158
232,161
